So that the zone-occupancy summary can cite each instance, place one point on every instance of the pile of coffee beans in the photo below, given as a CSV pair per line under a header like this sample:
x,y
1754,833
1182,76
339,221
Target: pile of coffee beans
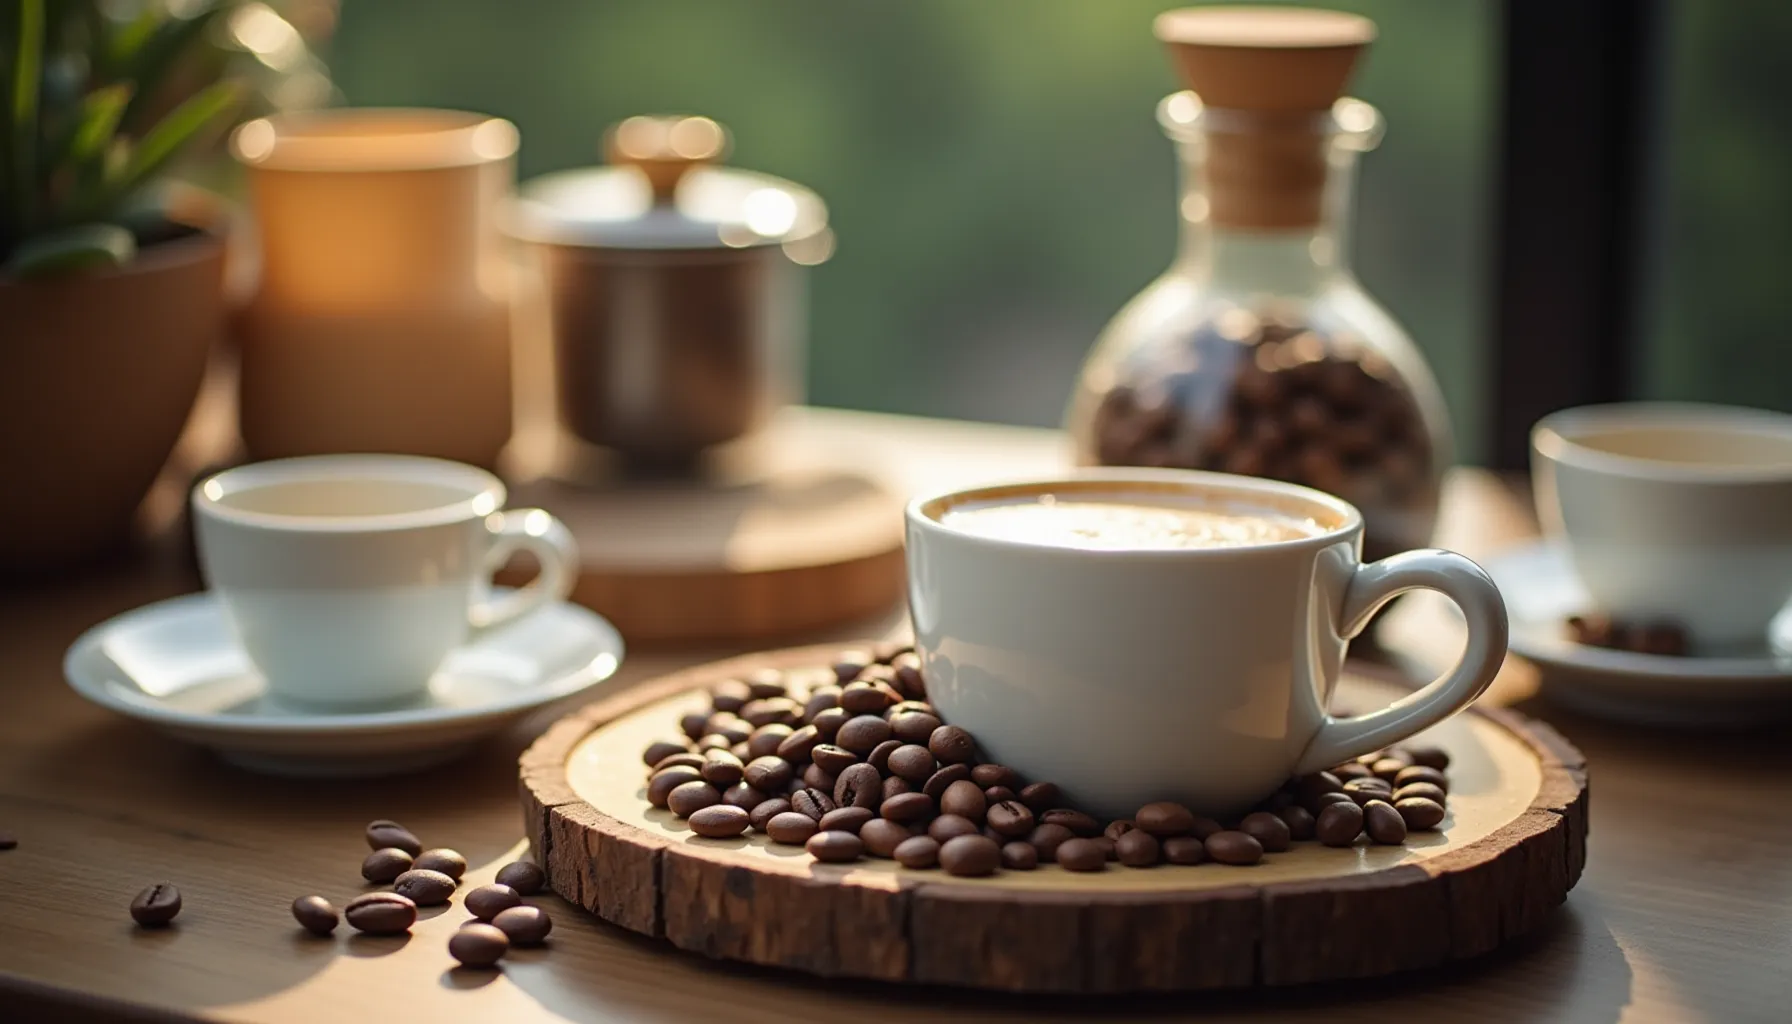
x,y
1660,637
851,761
1260,393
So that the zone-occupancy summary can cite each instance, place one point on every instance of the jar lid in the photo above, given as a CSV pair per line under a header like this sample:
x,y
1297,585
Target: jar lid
x,y
664,190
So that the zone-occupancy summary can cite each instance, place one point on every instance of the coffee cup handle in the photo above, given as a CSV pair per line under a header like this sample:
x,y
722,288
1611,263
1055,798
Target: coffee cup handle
x,y
1374,585
548,539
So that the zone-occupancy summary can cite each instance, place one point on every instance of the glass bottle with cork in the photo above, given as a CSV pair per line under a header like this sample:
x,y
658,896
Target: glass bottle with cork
x,y
1258,352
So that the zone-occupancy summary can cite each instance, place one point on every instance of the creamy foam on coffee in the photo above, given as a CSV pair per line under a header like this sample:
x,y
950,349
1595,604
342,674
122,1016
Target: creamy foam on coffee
x,y
344,497
1118,525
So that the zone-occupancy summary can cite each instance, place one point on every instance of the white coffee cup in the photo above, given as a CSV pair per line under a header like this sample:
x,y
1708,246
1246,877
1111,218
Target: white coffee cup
x,y
349,578
1201,675
1674,511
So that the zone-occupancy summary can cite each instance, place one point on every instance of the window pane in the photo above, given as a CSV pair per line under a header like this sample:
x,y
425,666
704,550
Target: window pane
x,y
994,169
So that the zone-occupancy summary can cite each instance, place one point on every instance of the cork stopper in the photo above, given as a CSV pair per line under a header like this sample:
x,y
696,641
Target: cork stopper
x,y
1279,70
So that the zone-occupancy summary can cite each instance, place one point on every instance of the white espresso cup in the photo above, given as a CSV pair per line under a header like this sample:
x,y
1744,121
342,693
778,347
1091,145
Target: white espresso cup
x,y
349,578
1202,675
1673,511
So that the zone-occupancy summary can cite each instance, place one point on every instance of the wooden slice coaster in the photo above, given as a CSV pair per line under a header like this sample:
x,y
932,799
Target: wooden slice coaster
x,y
1514,844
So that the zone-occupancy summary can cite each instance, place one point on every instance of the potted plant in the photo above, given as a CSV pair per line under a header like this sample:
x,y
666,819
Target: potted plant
x,y
111,282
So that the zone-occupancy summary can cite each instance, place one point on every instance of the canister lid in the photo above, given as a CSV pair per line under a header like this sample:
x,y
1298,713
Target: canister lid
x,y
663,189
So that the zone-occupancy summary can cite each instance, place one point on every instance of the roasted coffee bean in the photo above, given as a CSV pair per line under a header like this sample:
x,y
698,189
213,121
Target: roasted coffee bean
x,y
859,785
741,752
1419,789
868,698
1047,838
1384,823
913,762
714,741
1184,849
848,665
918,852
730,696
797,746
970,856
1108,847
766,682
1137,848
846,819
1364,790
881,836
1019,856
863,733
964,799
384,834
660,787
1388,767
729,725
820,699
760,816
1075,821
1311,787
913,726
525,925
997,794
1164,819
1429,757
879,757
1299,821
950,826
827,723
720,821
890,650
1118,828
919,707
1271,832
1420,814
987,775
1339,824
766,740
382,866
835,847
1327,799
906,807
830,758
526,878
380,913
812,802
769,774
1353,770
814,777
742,796
682,759
952,745
478,945
315,914
695,725
488,901
1081,855
770,710
448,862
896,785
792,828
883,674
1041,796
1235,848
691,797
1205,827
1010,818
1420,773
424,888
655,753
989,833
909,680
156,905
936,784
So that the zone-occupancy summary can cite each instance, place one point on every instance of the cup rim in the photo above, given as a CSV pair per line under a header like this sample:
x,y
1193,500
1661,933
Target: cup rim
x,y
373,140
485,492
1553,439
1348,524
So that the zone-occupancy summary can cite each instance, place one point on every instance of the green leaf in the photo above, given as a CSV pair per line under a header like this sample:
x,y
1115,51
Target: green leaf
x,y
82,247
148,62
27,71
100,112
164,141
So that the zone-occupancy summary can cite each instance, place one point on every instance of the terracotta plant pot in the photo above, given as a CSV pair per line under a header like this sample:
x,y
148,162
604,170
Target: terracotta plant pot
x,y
98,373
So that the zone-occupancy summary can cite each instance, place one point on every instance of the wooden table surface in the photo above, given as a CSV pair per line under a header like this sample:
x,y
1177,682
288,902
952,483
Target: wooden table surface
x,y
1684,914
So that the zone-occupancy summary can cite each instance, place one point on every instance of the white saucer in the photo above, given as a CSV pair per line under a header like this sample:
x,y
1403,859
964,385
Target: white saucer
x,y
176,665
1711,688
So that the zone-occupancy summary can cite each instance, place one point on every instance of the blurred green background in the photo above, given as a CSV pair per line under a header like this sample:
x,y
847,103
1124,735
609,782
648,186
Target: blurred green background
x,y
999,185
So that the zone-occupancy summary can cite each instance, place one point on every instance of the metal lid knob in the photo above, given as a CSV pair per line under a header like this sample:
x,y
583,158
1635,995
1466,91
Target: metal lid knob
x,y
664,148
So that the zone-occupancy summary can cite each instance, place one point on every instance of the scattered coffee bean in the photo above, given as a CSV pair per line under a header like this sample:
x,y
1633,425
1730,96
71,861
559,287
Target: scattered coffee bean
x,y
1420,773
1117,828
879,757
997,794
1271,832
859,786
714,741
912,762
820,699
1429,757
947,827
1339,824
948,774
1419,813
812,802
827,724
919,707
846,819
1075,821
526,878
488,901
864,697
424,888
380,913
1236,848
766,739
743,796
815,777
849,664
1419,789
862,734
654,754
1364,790
896,785
694,725
797,745
1185,849
692,797
769,774
835,847
792,828
1299,821
970,856
525,925
660,787
1384,824
1109,847
1327,799
1010,818
881,836
719,821
156,905
1081,855
1311,787
1665,638
1041,797
987,775
964,799
765,682
683,759
762,815
918,852
730,696
1137,848
830,758
1047,838
382,866
478,945
906,807
1019,856
914,726
1164,819
722,769
448,862
385,833
1388,767
1205,827
952,745
772,710
315,914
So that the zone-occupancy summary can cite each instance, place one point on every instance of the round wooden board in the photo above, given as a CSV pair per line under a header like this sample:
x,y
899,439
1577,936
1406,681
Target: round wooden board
x,y
1513,846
